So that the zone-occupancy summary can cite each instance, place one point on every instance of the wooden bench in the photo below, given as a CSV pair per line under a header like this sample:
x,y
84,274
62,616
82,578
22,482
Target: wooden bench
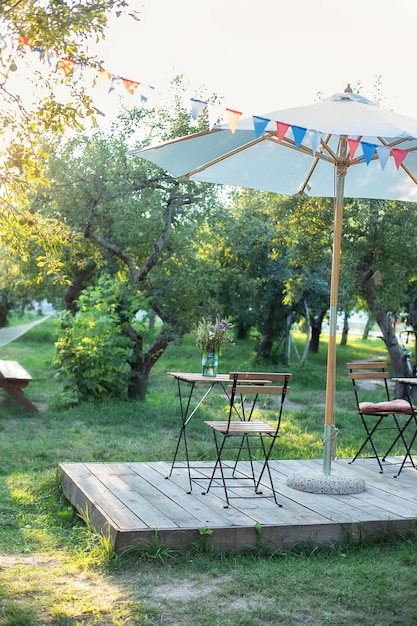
x,y
14,378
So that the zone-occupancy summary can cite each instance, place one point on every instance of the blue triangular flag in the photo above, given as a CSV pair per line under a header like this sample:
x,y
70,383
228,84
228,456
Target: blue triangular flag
x,y
259,123
368,151
298,134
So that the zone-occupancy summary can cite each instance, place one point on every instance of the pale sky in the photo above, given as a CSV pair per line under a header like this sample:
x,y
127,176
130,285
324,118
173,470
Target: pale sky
x,y
270,54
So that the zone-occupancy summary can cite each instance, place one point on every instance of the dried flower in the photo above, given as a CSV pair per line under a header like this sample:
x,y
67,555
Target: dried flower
x,y
213,336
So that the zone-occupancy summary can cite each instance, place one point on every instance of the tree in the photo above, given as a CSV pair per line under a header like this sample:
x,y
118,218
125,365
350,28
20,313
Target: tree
x,y
295,234
53,29
137,222
379,242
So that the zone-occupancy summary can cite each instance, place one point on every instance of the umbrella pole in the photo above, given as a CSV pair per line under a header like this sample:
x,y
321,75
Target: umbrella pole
x,y
329,429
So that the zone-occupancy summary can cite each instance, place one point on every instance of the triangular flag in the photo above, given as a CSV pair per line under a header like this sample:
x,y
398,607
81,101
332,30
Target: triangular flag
x,y
103,74
114,82
399,156
44,55
315,138
215,114
353,146
25,41
197,107
299,134
259,124
281,130
233,117
384,154
66,66
130,85
146,93
78,69
368,151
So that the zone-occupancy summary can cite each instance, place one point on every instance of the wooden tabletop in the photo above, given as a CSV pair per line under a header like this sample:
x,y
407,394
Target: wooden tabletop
x,y
406,380
193,377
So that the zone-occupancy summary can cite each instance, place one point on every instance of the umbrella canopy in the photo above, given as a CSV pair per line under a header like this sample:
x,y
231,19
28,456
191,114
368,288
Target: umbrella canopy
x,y
342,146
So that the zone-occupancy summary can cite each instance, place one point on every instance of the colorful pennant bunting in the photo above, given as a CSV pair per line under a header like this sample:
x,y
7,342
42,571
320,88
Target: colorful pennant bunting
x,y
216,113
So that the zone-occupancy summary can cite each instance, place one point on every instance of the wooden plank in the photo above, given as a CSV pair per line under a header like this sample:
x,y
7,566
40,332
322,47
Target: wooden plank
x,y
14,371
214,500
143,485
142,508
95,492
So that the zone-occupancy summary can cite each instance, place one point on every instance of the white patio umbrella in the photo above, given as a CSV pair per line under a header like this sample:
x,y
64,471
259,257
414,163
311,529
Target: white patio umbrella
x,y
342,146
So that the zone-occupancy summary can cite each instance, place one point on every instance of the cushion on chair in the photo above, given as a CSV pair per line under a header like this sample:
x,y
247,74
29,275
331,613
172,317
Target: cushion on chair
x,y
392,406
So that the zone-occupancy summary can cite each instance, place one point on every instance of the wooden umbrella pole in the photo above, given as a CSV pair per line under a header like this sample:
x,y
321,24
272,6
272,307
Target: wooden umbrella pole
x,y
334,292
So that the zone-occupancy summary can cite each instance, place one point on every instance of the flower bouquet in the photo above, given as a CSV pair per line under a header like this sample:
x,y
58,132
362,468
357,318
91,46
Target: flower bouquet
x,y
211,337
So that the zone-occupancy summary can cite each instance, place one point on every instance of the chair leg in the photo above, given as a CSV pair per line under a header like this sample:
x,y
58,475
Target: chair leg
x,y
250,456
370,433
400,436
408,448
218,465
267,455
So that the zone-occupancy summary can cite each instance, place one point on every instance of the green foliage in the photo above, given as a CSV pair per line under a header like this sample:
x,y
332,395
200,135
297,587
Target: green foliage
x,y
59,29
92,349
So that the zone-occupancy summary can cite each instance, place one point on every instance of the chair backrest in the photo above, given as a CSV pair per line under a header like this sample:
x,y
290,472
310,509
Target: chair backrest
x,y
255,384
372,371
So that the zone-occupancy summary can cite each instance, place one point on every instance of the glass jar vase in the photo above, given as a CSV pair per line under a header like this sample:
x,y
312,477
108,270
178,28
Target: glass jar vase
x,y
209,363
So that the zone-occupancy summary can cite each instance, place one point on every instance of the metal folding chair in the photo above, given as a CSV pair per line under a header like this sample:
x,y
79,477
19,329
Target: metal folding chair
x,y
398,416
241,432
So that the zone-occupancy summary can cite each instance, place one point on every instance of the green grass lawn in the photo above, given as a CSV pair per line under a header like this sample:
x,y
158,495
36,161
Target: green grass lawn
x,y
54,569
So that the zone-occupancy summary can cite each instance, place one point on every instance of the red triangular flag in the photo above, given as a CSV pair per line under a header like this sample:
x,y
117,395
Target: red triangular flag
x,y
399,156
26,41
65,65
130,85
281,130
353,145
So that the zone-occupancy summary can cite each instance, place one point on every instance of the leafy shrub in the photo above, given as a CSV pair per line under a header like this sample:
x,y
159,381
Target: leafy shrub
x,y
92,349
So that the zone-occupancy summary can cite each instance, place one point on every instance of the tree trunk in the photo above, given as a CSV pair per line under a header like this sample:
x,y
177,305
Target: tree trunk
x,y
316,324
367,328
265,346
79,283
384,322
5,308
142,363
345,331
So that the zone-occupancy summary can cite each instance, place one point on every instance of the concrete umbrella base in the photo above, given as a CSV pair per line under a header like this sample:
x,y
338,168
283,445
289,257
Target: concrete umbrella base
x,y
335,483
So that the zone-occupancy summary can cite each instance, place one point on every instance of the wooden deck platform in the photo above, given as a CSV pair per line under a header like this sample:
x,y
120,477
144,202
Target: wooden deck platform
x,y
137,505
